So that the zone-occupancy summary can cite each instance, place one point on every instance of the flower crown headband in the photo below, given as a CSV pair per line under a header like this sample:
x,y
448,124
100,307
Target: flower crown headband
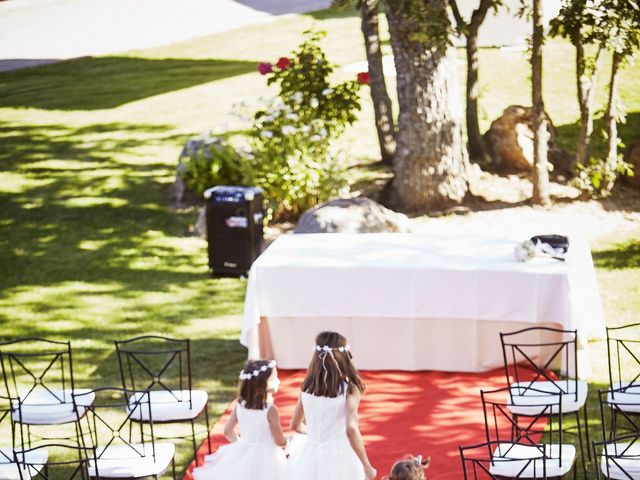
x,y
327,348
249,375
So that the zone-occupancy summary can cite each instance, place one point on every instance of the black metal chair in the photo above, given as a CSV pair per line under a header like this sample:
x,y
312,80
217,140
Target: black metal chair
x,y
71,462
38,374
623,395
619,458
618,414
122,446
9,442
162,366
544,364
515,440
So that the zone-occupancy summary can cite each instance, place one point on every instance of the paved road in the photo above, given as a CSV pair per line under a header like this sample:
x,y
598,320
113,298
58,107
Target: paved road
x,y
40,31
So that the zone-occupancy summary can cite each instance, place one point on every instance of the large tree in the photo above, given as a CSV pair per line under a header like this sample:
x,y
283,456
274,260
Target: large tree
x,y
470,29
431,166
623,18
381,101
540,132
585,25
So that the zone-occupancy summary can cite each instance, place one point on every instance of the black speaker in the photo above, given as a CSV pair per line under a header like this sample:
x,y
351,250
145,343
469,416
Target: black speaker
x,y
234,228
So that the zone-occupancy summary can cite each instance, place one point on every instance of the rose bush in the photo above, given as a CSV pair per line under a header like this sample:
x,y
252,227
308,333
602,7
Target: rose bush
x,y
292,139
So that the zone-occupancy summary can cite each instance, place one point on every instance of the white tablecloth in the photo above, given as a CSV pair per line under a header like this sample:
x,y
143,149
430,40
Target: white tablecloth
x,y
385,283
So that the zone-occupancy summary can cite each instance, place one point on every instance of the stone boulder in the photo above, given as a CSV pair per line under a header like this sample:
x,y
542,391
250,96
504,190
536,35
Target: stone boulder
x,y
509,141
632,157
351,215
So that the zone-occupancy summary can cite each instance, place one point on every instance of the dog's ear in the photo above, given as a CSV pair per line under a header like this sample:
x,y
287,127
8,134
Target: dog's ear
x,y
426,462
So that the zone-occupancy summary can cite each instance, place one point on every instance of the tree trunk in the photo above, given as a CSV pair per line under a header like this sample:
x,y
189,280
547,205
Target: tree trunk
x,y
431,166
540,132
381,101
586,92
477,150
610,116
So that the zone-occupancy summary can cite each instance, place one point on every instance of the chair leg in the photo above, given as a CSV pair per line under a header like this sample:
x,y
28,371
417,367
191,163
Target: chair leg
x,y
586,430
193,438
580,440
206,419
173,467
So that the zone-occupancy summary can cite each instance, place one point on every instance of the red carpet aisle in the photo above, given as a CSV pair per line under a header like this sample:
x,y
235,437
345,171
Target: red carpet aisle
x,y
429,413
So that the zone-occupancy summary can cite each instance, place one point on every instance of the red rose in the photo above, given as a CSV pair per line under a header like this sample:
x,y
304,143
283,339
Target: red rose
x,y
363,78
283,63
265,68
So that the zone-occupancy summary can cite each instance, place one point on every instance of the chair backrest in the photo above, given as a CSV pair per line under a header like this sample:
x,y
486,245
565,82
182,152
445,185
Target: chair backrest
x,y
619,412
37,371
619,458
523,420
623,353
478,462
53,462
152,362
542,354
109,422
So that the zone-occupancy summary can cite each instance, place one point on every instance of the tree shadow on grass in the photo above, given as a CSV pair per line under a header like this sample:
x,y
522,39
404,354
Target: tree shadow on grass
x,y
93,83
625,255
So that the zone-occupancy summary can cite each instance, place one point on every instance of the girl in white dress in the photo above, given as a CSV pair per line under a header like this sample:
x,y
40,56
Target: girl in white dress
x,y
327,411
257,454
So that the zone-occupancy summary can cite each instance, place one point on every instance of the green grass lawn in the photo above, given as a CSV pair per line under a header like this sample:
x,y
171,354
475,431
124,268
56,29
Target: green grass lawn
x,y
90,249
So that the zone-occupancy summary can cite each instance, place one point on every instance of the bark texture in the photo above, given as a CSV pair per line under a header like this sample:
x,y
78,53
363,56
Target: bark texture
x,y
610,114
476,146
381,101
540,163
431,166
586,83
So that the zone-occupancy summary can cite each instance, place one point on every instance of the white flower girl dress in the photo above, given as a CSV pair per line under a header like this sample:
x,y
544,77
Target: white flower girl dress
x,y
254,456
326,453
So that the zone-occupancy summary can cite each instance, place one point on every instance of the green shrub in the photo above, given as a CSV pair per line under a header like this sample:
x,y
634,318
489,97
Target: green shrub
x,y
598,177
293,156
210,161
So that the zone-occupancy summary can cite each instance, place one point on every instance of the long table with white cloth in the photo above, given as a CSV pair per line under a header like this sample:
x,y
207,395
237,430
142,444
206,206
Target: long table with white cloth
x,y
412,301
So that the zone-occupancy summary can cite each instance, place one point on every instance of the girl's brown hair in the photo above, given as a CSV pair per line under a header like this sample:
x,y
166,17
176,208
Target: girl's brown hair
x,y
411,468
253,392
329,370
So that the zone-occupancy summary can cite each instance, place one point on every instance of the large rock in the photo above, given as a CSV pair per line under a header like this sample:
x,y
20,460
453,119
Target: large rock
x,y
509,141
351,215
632,157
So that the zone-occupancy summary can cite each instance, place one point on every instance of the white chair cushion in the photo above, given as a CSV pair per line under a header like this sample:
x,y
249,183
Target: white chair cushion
x,y
41,407
509,459
529,400
9,469
629,462
628,401
121,461
168,406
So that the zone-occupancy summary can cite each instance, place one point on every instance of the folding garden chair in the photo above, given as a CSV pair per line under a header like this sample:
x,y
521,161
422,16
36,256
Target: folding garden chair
x,y
162,366
544,364
122,446
519,451
8,444
38,374
623,395
35,463
619,458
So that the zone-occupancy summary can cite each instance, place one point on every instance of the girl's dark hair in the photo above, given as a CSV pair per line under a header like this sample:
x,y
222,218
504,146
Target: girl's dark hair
x,y
411,468
328,371
253,392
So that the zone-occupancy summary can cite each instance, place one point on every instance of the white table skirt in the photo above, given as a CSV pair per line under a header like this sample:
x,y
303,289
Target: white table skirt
x,y
428,301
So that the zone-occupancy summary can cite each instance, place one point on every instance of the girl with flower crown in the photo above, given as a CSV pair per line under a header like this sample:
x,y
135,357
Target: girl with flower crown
x,y
257,454
327,411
